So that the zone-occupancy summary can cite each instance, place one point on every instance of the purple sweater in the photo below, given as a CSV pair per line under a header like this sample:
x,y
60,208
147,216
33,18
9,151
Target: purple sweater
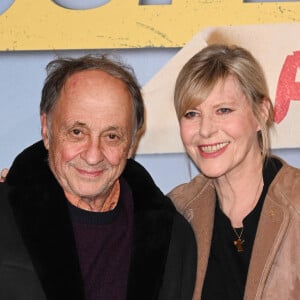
x,y
103,242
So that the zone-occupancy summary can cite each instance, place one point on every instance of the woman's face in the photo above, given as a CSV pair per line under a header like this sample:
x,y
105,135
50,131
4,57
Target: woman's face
x,y
220,134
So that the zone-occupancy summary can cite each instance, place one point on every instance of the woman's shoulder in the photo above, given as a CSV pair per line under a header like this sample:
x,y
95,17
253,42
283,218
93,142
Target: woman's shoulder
x,y
288,175
287,185
185,194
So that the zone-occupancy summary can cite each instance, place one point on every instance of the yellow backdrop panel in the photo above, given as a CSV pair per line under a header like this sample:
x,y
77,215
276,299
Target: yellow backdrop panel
x,y
42,24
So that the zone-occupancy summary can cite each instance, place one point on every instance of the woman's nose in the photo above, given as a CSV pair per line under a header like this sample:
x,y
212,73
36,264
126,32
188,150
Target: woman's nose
x,y
207,126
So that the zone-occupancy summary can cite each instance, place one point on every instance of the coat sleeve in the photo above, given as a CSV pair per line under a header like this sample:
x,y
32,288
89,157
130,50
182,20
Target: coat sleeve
x,y
180,271
18,279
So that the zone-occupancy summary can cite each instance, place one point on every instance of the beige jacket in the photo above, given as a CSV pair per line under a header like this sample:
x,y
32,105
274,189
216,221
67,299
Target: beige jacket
x,y
274,271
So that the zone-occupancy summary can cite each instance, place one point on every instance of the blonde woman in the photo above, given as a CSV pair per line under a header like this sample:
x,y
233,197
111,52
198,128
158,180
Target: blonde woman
x,y
244,207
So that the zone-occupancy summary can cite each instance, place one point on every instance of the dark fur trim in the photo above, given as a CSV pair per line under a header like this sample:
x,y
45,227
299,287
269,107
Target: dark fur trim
x,y
42,215
153,223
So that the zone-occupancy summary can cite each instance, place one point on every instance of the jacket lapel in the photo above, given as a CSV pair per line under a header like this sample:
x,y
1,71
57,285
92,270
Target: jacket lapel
x,y
270,232
204,223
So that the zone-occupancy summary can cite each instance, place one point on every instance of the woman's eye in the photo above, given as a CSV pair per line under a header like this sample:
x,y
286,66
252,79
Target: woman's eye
x,y
224,110
191,114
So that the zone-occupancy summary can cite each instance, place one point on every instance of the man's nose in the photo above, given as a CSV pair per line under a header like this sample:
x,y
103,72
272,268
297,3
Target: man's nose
x,y
92,153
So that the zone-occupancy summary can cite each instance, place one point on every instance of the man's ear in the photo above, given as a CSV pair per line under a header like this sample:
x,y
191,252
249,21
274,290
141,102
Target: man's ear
x,y
44,130
135,142
132,149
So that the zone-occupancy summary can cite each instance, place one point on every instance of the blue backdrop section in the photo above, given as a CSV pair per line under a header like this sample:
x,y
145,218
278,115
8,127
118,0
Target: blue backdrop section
x,y
21,79
169,170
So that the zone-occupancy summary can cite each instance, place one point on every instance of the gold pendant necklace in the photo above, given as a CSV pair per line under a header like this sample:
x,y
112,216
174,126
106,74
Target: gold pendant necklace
x,y
238,243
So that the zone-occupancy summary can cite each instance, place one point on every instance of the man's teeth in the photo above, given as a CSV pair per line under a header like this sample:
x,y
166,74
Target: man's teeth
x,y
213,148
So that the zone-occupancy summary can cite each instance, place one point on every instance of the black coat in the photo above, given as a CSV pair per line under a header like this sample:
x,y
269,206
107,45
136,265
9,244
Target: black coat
x,y
38,258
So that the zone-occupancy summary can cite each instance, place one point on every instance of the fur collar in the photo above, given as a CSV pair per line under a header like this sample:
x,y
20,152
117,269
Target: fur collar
x,y
41,213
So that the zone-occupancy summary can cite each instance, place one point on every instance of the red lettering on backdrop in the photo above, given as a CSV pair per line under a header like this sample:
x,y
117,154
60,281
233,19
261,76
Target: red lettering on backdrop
x,y
287,89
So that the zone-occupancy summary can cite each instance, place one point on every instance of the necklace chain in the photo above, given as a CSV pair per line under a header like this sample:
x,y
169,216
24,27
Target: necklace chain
x,y
238,235
238,243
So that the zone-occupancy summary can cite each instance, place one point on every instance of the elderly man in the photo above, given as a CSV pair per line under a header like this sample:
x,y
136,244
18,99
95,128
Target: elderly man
x,y
79,219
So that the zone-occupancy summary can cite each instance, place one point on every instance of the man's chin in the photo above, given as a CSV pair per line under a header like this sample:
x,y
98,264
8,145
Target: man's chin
x,y
75,195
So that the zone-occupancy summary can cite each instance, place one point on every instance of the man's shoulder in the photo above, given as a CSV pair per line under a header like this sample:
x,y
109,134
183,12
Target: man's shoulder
x,y
136,170
29,165
147,196
5,206
4,189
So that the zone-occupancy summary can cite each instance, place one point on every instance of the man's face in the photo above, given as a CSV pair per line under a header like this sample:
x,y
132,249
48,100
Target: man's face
x,y
89,134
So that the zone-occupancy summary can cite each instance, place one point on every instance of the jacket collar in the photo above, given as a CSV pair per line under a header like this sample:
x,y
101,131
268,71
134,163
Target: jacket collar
x,y
153,221
271,229
272,226
41,213
199,211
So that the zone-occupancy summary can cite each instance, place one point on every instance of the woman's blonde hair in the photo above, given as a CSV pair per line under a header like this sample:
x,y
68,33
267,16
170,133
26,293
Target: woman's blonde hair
x,y
216,62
